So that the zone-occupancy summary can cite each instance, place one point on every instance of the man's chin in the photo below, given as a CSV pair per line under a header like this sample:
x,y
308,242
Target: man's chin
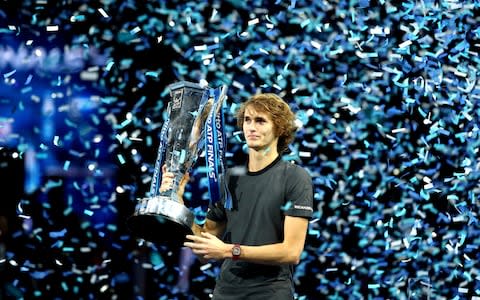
x,y
257,148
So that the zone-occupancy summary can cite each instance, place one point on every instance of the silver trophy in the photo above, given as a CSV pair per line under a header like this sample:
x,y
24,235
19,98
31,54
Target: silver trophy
x,y
161,216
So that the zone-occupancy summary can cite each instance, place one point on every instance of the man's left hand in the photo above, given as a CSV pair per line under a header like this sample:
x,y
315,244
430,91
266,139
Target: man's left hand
x,y
208,246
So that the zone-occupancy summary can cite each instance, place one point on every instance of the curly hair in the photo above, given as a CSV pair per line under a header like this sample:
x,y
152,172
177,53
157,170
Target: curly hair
x,y
280,113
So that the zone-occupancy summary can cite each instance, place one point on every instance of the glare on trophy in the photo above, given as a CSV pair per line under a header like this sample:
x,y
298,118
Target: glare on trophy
x,y
161,216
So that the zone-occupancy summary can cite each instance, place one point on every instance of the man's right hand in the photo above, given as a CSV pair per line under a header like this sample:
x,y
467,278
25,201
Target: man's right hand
x,y
167,183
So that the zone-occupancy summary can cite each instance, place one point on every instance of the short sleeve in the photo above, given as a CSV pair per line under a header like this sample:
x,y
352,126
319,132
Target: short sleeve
x,y
299,193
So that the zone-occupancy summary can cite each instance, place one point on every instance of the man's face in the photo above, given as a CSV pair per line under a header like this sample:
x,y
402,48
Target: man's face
x,y
258,129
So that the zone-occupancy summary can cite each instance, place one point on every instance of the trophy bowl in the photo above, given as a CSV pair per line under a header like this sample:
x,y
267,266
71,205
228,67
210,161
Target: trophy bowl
x,y
161,220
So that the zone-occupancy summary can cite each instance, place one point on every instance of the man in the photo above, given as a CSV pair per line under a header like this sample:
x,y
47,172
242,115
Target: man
x,y
262,237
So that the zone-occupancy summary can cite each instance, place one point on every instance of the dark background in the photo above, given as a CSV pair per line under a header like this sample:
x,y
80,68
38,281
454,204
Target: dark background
x,y
386,95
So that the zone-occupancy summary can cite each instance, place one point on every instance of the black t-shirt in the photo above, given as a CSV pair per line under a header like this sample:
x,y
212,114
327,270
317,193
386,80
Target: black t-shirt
x,y
260,202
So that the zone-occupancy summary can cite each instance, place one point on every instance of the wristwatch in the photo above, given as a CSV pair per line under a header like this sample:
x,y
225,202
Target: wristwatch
x,y
236,251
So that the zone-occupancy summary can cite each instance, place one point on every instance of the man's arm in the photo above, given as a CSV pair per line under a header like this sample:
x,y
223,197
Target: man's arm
x,y
215,228
286,252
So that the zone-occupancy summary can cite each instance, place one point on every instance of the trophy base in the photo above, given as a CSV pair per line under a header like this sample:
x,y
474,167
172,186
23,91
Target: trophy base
x,y
161,220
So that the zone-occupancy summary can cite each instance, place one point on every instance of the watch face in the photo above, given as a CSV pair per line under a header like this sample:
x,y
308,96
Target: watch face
x,y
236,250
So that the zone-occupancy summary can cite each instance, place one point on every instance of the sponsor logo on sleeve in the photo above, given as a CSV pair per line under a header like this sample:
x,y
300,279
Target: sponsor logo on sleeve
x,y
303,207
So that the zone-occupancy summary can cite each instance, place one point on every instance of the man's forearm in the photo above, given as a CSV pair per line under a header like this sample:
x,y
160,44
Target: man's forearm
x,y
197,229
209,246
279,253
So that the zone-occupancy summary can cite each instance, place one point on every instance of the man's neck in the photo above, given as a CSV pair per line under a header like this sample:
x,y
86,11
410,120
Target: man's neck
x,y
257,160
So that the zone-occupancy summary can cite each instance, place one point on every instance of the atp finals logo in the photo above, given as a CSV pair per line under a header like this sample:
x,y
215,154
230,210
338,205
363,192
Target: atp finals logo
x,y
177,99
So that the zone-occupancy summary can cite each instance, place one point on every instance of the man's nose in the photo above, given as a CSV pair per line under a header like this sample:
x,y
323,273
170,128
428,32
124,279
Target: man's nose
x,y
251,126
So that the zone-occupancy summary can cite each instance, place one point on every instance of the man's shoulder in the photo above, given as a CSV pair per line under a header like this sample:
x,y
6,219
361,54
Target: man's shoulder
x,y
292,168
